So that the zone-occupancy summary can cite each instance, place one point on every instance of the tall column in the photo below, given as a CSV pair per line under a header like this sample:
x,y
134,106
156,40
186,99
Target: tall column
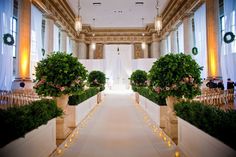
x,y
75,47
212,38
91,51
155,47
63,41
49,34
163,47
24,41
145,50
188,34
82,52
173,41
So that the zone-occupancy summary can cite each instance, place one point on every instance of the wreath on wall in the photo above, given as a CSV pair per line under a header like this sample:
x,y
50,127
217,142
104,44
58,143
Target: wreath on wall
x,y
229,37
8,39
194,51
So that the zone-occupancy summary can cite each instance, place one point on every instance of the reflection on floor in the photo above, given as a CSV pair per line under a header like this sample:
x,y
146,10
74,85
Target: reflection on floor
x,y
117,129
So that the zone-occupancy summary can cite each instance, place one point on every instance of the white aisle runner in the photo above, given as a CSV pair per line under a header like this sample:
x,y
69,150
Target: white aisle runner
x,y
117,130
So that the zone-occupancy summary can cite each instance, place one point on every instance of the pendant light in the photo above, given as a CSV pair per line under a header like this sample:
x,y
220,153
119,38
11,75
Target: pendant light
x,y
78,20
158,19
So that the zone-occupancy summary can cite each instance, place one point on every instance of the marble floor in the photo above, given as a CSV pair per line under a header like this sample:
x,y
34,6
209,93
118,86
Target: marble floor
x,y
117,129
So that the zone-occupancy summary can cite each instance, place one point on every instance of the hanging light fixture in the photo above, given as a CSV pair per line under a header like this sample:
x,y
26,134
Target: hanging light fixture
x,y
143,45
93,43
158,19
78,20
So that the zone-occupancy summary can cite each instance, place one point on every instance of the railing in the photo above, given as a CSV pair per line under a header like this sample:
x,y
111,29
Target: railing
x,y
17,98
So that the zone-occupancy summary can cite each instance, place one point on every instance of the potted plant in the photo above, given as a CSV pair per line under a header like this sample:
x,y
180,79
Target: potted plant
x,y
58,76
175,76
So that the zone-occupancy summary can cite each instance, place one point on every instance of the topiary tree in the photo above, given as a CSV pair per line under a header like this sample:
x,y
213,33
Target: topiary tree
x,y
176,75
138,79
97,79
59,74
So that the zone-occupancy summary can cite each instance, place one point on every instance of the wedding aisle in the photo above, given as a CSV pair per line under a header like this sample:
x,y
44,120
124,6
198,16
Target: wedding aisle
x,y
117,129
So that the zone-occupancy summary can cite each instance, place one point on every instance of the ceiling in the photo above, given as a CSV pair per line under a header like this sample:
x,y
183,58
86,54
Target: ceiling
x,y
117,13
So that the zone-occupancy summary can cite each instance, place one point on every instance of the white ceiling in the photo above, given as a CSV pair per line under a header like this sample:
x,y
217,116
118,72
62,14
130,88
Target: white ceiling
x,y
108,14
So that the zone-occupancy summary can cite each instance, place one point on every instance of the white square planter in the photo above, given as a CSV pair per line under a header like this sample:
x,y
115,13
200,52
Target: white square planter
x,y
40,142
78,112
196,143
154,111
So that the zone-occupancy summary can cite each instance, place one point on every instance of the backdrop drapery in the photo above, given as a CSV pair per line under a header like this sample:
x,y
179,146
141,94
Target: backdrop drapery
x,y
36,39
228,51
200,38
6,51
118,65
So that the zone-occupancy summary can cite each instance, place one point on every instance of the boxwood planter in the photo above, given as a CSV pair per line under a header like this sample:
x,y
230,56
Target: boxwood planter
x,y
196,143
39,142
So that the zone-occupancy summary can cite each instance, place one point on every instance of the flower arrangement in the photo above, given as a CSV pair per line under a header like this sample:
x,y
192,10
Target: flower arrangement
x,y
58,74
139,78
176,75
97,79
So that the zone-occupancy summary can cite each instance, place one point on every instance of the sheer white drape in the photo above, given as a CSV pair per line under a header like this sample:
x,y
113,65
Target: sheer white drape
x,y
6,54
200,37
36,38
228,51
143,64
118,64
181,38
56,46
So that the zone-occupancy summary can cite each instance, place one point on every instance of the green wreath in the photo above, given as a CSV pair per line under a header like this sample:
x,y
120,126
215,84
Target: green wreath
x,y
194,51
229,37
8,39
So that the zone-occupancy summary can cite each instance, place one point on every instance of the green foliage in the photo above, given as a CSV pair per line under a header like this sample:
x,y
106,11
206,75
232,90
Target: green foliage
x,y
214,121
58,74
97,79
17,121
81,96
176,75
151,95
138,79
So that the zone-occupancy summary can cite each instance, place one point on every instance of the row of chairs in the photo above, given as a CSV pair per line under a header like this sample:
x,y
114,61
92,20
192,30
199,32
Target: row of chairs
x,y
216,97
17,98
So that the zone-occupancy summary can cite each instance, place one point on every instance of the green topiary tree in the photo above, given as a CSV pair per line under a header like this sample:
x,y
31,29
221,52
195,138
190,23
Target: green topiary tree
x,y
97,79
58,74
138,79
176,75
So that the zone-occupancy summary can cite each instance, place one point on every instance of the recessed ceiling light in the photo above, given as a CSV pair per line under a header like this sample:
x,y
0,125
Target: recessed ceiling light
x,y
97,3
139,3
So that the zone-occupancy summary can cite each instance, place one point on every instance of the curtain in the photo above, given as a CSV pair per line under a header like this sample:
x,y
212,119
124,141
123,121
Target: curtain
x,y
200,37
6,51
118,65
168,44
56,43
228,51
36,38
181,39
143,64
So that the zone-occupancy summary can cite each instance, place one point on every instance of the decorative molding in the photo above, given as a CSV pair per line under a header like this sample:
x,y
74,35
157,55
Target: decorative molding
x,y
99,51
138,52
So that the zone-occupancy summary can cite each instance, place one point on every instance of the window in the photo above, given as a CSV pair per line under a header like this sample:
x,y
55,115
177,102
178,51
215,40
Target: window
x,y
13,28
223,24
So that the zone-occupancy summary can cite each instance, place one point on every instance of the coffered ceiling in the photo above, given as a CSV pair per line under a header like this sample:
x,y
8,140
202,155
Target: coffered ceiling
x,y
117,13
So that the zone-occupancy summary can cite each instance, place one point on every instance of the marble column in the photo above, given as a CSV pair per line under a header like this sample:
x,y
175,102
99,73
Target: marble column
x,y
24,41
173,41
145,50
82,52
155,47
63,40
49,35
188,34
75,48
212,27
163,47
91,51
